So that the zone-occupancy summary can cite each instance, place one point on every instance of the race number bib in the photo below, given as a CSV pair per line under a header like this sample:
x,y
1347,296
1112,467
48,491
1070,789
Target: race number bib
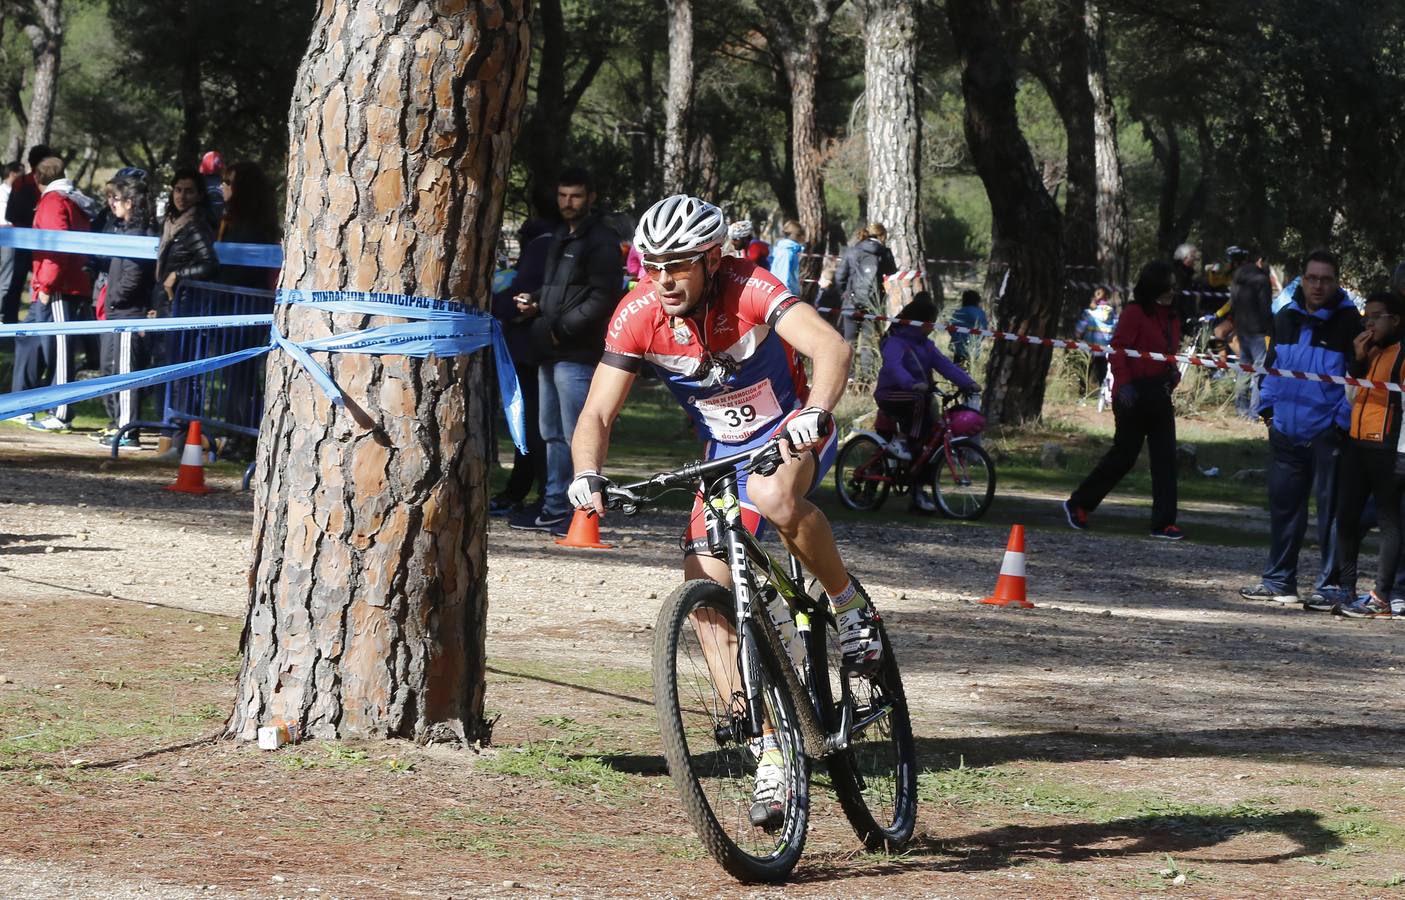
x,y
735,417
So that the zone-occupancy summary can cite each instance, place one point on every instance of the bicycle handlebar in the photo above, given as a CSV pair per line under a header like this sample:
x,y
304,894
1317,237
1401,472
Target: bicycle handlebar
x,y
763,460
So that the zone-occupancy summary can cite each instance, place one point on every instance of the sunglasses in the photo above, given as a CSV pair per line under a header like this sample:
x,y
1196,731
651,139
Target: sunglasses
x,y
673,266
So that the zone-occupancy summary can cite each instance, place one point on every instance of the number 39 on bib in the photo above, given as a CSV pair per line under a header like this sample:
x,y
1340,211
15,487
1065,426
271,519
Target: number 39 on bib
x,y
737,416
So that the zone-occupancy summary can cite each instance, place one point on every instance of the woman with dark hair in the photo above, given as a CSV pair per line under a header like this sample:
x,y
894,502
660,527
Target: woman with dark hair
x,y
1141,403
129,295
250,217
187,249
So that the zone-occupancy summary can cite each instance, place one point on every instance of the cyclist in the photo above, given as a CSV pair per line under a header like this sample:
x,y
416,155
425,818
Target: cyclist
x,y
723,334
904,388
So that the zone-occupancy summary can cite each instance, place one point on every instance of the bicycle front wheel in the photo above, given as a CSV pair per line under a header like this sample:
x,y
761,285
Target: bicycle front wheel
x,y
860,477
875,779
699,700
963,480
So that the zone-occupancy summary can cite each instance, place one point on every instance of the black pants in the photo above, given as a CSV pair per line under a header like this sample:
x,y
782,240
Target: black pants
x,y
1296,471
20,264
913,412
529,469
41,361
1367,472
1150,418
125,352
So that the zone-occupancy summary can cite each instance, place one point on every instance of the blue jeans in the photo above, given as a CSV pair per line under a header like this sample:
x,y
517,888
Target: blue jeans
x,y
563,389
1294,472
1253,349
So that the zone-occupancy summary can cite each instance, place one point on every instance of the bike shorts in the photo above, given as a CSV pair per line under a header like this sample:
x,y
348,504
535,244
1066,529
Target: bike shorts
x,y
695,535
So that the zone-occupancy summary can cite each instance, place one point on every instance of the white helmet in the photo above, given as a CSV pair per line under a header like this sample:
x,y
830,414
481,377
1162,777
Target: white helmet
x,y
679,224
738,230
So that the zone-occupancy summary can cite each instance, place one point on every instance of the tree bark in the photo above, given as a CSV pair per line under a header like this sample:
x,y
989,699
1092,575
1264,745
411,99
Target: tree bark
x,y
367,596
1114,237
192,110
678,109
1026,229
894,129
46,41
797,28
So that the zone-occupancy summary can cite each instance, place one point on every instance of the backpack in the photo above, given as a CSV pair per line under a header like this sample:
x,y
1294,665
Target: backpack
x,y
864,278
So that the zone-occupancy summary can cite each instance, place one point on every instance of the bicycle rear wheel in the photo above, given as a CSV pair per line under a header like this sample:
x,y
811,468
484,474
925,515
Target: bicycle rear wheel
x,y
963,482
860,475
875,779
712,763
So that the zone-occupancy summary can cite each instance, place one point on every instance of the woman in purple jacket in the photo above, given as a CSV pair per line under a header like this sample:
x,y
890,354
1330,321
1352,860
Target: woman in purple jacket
x,y
905,382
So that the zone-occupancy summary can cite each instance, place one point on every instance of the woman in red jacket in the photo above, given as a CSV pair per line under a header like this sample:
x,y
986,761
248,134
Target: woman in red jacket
x,y
1141,404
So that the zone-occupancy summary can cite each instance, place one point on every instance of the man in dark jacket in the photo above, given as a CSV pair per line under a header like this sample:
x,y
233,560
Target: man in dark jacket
x,y
1313,333
1251,307
858,279
19,212
570,312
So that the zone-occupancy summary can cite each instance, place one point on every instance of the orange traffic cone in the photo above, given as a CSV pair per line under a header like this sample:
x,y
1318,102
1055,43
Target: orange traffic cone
x,y
584,533
1009,587
190,479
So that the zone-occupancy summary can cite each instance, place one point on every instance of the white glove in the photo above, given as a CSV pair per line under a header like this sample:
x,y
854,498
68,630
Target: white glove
x,y
808,427
584,487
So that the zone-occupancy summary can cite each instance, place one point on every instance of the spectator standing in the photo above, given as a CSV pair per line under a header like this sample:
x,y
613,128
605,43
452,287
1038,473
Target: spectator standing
x,y
250,217
742,242
212,176
130,284
19,212
1250,305
785,260
1189,287
60,286
10,310
1141,404
859,282
187,248
1095,326
1315,332
1368,464
535,240
570,313
968,315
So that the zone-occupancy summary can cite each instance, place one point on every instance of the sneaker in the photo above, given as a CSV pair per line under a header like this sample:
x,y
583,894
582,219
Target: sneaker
x,y
922,502
1367,606
22,419
51,424
858,639
1324,599
102,435
501,506
1397,607
127,442
1169,533
1262,591
562,528
1077,516
898,449
767,799
534,520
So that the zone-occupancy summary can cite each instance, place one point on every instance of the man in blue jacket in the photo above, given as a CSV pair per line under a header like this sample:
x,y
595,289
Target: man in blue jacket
x,y
1313,333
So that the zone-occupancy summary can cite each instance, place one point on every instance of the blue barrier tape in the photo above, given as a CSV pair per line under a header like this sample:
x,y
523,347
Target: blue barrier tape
x,y
444,329
132,246
117,326
43,398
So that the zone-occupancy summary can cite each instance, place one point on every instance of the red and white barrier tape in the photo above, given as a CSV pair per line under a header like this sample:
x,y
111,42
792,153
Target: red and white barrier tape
x,y
929,260
1127,289
1060,343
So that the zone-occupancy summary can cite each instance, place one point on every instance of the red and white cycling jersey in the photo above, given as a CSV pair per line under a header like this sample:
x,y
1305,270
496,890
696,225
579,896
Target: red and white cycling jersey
x,y
731,371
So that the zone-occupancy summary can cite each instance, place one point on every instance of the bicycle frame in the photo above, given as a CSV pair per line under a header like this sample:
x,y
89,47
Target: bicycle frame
x,y
940,439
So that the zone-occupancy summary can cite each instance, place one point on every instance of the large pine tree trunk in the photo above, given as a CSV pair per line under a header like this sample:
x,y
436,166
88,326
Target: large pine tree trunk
x,y
46,41
1026,221
680,96
798,28
367,596
894,131
1114,239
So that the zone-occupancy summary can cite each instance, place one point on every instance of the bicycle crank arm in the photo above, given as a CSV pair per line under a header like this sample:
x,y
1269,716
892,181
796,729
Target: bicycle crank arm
x,y
839,740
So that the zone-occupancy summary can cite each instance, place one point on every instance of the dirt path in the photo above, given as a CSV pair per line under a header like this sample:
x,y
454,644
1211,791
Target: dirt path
x,y
1143,724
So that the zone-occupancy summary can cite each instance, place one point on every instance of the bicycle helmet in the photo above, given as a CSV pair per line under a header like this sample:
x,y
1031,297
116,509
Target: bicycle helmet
x,y
963,421
739,230
680,224
1236,254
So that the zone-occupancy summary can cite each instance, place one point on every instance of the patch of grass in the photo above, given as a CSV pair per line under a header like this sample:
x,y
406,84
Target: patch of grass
x,y
1394,881
568,762
327,755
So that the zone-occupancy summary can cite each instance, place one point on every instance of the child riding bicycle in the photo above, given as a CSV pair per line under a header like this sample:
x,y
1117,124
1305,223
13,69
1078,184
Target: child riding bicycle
x,y
905,384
